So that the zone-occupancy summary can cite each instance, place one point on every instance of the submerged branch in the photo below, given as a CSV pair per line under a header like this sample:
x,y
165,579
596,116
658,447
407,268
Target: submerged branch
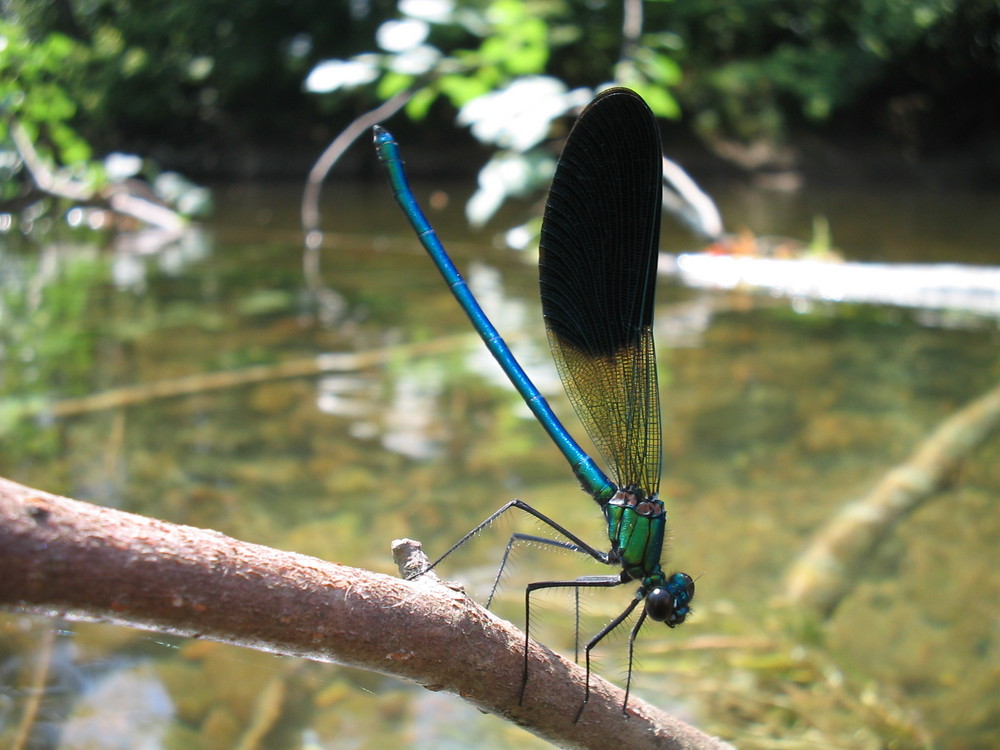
x,y
61,557
190,385
825,573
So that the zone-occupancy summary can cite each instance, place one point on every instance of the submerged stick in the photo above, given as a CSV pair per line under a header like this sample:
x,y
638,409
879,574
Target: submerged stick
x,y
189,385
826,572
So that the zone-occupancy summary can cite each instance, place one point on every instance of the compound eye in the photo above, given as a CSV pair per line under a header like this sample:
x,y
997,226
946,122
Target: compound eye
x,y
660,605
671,603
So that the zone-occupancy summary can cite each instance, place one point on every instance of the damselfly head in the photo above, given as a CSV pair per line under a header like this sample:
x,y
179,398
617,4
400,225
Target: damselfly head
x,y
671,602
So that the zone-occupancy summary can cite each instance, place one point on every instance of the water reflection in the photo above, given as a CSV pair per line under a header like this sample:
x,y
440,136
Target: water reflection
x,y
138,254
775,416
143,713
944,293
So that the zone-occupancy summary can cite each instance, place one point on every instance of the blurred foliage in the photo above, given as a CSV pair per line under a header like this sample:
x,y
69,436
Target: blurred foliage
x,y
44,159
193,75
757,68
186,71
504,66
35,97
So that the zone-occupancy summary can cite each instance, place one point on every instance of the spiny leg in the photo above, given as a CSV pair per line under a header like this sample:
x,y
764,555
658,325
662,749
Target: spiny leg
x,y
576,625
581,545
631,653
577,584
600,637
518,537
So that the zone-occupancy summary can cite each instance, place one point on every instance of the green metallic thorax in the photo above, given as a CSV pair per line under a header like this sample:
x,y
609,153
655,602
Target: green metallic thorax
x,y
636,526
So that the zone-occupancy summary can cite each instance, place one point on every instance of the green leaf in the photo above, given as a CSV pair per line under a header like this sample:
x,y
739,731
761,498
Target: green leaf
x,y
72,148
658,99
57,46
461,89
420,102
660,68
519,44
392,83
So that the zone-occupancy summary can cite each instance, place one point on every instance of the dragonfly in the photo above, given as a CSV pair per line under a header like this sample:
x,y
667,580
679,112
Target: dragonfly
x,y
597,276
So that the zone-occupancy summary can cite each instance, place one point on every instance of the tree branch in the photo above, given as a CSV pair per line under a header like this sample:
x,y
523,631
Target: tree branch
x,y
47,180
631,30
330,303
116,196
61,557
361,124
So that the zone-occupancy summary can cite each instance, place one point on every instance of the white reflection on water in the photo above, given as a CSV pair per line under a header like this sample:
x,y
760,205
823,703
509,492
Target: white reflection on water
x,y
928,287
141,715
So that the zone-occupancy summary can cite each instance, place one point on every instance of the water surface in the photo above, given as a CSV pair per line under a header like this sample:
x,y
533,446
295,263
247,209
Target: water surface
x,y
775,416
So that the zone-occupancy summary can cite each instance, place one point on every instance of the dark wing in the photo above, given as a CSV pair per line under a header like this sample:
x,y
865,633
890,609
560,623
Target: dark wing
x,y
597,266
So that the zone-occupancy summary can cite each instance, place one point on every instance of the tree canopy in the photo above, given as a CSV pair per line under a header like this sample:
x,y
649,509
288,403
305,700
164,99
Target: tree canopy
x,y
190,75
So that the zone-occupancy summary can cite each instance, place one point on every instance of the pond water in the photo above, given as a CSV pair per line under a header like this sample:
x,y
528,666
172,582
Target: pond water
x,y
776,415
